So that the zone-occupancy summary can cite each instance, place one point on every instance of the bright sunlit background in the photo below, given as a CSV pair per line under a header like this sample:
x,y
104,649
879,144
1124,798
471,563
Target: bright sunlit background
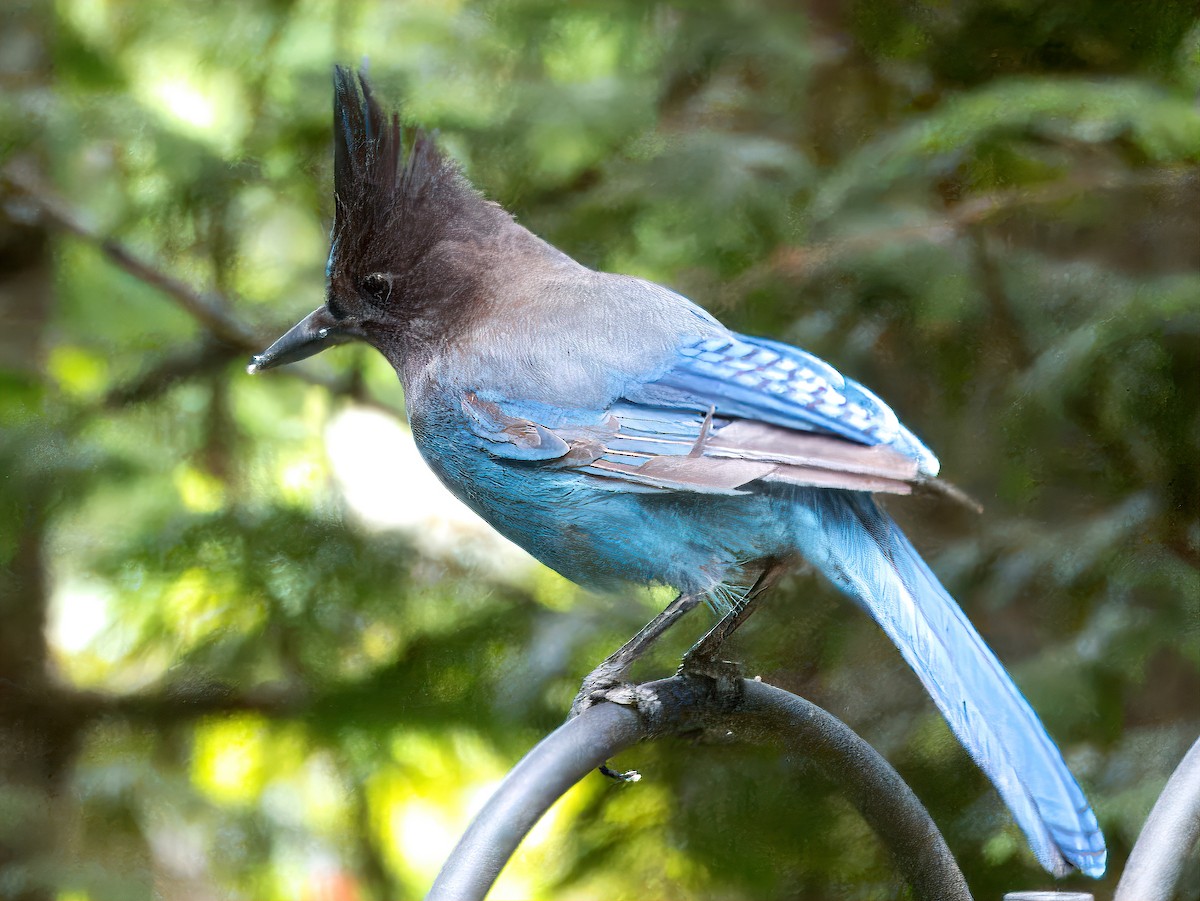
x,y
250,648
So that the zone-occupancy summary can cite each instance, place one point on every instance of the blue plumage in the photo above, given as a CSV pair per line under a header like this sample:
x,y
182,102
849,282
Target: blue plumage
x,y
777,383
868,557
624,436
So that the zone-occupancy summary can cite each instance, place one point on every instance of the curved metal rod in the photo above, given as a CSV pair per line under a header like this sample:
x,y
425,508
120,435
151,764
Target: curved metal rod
x,y
1168,837
691,703
557,762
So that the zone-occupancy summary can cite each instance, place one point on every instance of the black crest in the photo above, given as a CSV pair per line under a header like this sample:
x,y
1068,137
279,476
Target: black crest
x,y
391,206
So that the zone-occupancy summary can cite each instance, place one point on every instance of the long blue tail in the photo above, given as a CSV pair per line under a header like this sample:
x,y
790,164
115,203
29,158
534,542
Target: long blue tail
x,y
868,557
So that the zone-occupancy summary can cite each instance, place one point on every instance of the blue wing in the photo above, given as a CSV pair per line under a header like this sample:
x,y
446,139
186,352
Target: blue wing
x,y
726,412
756,379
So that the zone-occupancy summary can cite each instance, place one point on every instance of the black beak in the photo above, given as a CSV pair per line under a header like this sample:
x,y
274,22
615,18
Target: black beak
x,y
311,335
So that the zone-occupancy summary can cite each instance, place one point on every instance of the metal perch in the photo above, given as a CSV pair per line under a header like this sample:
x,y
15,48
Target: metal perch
x,y
687,704
1167,838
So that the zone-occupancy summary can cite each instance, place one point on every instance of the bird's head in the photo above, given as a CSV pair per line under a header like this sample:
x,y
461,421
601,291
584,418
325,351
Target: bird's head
x,y
409,242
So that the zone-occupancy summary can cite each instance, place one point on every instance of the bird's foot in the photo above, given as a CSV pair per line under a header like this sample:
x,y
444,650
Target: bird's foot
x,y
605,683
700,664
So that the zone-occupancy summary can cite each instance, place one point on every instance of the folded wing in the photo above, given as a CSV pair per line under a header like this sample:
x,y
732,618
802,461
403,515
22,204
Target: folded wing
x,y
726,413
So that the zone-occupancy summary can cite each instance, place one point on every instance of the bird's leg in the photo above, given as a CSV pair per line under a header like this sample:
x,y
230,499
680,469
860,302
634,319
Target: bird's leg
x,y
703,654
600,683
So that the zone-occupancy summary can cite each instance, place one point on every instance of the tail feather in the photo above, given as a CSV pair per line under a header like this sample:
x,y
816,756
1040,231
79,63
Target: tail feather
x,y
869,558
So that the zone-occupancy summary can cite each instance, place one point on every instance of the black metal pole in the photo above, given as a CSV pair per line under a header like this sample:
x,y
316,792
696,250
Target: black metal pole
x,y
689,703
555,764
1167,838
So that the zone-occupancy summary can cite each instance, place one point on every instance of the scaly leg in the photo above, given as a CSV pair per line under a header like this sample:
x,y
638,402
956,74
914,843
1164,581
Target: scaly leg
x,y
604,683
703,654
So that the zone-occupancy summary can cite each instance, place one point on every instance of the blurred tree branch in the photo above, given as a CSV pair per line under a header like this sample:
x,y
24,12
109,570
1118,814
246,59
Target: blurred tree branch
x,y
229,337
76,709
209,310
203,358
799,263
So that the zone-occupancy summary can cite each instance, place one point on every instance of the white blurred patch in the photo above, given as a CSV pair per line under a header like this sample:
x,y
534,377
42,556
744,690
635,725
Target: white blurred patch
x,y
388,486
186,103
78,613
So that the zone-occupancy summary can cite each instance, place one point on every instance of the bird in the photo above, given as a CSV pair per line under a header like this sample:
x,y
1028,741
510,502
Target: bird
x,y
624,436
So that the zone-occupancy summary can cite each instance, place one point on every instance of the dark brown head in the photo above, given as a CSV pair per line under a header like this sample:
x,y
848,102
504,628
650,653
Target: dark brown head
x,y
406,230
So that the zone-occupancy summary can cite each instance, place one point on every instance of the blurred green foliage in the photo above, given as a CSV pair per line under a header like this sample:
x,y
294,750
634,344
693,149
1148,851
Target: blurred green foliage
x,y
223,678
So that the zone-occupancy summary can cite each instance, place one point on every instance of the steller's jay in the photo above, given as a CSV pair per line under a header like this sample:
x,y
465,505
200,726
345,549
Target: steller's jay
x,y
623,435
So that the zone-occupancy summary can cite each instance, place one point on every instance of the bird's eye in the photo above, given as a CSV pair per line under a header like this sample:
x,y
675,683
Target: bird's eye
x,y
377,286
